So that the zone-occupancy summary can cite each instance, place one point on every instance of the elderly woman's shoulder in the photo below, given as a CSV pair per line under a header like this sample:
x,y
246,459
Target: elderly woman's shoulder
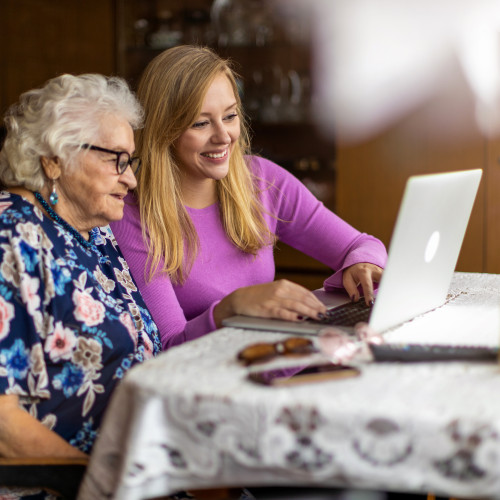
x,y
5,201
14,208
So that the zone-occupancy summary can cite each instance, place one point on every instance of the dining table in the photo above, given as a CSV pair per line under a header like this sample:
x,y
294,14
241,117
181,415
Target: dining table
x,y
193,419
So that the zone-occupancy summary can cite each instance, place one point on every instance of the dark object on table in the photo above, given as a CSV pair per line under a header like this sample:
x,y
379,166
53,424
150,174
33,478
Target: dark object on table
x,y
432,352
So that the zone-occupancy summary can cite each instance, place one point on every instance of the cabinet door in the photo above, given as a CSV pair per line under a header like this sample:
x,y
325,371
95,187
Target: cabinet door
x,y
371,177
43,39
492,181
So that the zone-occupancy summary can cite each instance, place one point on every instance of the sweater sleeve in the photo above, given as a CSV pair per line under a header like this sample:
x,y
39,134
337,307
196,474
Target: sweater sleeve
x,y
306,224
158,293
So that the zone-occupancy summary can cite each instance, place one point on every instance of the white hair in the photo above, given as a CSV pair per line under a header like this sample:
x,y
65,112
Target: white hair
x,y
57,119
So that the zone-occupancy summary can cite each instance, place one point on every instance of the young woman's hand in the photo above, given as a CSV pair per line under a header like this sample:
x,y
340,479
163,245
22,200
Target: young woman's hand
x,y
363,274
280,299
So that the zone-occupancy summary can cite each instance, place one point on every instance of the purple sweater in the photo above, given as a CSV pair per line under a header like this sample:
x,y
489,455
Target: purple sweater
x,y
185,312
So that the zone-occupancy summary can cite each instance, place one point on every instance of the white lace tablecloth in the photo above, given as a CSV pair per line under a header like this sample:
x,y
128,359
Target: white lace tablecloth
x,y
190,418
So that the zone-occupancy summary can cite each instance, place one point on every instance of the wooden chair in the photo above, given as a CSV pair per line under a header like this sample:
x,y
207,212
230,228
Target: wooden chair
x,y
60,476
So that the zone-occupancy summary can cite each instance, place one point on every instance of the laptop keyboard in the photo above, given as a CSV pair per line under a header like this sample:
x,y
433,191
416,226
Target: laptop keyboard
x,y
347,314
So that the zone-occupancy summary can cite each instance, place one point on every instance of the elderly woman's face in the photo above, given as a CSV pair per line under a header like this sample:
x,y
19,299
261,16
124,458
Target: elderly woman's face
x,y
92,192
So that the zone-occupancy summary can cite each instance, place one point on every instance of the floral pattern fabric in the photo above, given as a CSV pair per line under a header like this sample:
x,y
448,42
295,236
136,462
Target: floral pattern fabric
x,y
72,321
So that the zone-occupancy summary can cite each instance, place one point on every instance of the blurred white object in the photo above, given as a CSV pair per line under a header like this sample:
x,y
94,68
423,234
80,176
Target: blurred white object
x,y
378,60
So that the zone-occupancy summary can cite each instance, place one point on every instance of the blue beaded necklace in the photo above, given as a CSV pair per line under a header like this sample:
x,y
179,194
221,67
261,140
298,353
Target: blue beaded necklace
x,y
86,244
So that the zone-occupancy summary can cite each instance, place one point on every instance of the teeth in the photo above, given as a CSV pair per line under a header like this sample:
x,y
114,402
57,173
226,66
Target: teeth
x,y
215,155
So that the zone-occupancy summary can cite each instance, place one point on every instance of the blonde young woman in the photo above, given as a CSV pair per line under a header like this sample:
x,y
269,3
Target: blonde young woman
x,y
199,231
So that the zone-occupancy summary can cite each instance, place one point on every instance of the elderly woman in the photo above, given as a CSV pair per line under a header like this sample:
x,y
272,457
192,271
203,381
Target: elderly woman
x,y
72,321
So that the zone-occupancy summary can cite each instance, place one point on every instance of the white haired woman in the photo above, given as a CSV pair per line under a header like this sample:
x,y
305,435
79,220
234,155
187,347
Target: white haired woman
x,y
72,321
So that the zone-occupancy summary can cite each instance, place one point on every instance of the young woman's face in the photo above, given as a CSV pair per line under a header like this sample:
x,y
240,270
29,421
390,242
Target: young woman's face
x,y
203,150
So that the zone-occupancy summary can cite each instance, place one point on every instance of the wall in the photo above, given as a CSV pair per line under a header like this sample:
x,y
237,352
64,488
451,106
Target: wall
x,y
44,38
371,176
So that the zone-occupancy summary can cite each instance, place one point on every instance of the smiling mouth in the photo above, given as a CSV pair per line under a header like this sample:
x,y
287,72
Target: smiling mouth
x,y
216,156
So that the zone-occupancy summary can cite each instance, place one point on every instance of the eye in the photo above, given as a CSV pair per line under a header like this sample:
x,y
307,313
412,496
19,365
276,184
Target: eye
x,y
109,159
199,124
231,117
123,164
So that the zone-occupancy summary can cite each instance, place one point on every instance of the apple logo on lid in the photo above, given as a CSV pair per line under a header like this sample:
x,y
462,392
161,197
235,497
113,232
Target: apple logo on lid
x,y
431,247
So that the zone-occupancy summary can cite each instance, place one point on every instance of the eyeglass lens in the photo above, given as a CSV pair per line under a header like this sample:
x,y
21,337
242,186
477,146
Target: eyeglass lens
x,y
123,160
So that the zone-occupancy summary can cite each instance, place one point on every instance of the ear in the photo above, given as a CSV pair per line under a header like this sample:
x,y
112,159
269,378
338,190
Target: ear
x,y
51,167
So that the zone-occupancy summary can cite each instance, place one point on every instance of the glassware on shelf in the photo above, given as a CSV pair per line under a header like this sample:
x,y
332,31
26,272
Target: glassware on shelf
x,y
260,17
292,97
169,32
271,110
141,29
274,95
239,23
252,98
197,27
295,21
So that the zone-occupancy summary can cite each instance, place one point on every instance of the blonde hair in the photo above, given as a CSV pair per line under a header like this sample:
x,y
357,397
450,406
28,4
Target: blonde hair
x,y
171,90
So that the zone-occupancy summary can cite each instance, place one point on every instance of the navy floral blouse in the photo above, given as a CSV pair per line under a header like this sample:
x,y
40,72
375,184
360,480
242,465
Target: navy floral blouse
x,y
72,321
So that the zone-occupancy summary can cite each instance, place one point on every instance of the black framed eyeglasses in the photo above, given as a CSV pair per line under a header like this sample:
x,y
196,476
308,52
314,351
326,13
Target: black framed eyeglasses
x,y
123,159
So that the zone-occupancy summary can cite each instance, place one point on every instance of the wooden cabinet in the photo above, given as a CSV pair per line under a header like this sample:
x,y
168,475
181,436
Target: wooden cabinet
x,y
274,67
42,39
362,182
491,207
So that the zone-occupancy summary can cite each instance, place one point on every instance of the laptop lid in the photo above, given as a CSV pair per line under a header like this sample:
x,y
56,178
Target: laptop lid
x,y
424,249
425,245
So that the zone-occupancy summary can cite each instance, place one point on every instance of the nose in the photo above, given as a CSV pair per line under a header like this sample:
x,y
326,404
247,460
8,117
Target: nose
x,y
221,134
128,178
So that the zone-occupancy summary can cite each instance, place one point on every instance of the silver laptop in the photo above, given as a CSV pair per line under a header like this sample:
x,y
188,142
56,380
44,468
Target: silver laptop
x,y
423,253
